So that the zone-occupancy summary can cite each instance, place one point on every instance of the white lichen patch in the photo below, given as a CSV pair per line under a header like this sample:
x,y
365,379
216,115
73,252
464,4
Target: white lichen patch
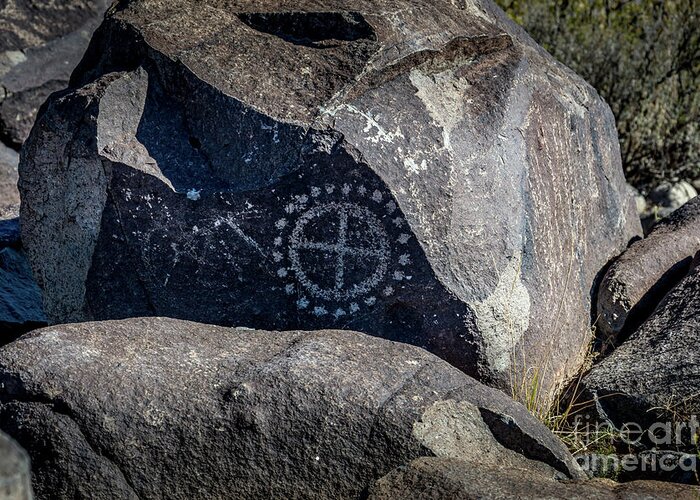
x,y
414,167
504,316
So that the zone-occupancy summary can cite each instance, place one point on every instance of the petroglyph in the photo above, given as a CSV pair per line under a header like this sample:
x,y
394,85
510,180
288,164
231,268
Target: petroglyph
x,y
376,254
199,242
342,249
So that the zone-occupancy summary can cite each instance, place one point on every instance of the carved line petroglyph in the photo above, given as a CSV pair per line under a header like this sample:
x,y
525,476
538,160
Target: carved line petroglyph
x,y
192,241
230,222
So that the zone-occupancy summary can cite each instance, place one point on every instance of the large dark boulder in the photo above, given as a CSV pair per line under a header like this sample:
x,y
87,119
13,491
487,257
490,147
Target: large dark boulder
x,y
655,375
15,473
637,281
158,408
420,171
450,479
40,44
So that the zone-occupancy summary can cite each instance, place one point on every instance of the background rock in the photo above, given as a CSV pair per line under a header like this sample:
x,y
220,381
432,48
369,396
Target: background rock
x,y
164,408
670,197
664,200
655,374
430,176
40,44
15,473
9,194
637,281
20,297
10,233
449,479
21,306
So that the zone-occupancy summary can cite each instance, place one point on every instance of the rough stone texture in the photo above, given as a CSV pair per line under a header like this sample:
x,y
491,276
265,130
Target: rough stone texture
x,y
657,368
9,194
417,170
160,408
15,473
450,479
638,280
40,44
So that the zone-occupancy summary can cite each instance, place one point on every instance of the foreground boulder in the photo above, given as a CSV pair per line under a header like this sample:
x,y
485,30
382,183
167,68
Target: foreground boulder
x,y
170,409
637,281
423,173
450,479
40,44
655,374
15,474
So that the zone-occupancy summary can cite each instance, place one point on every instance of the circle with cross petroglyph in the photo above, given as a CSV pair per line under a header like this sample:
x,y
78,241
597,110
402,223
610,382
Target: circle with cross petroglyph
x,y
352,255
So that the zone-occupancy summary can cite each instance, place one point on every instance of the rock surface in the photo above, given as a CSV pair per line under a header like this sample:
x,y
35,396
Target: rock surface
x,y
40,44
9,194
450,479
656,372
420,171
637,281
15,473
171,409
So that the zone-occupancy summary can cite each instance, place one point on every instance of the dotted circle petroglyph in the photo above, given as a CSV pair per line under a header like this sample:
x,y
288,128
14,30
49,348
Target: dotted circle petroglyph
x,y
376,253
340,248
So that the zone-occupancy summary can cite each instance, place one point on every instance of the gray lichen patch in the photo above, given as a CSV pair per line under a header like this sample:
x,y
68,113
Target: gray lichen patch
x,y
504,317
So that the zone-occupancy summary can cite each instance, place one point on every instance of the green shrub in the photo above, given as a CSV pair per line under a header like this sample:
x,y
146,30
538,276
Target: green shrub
x,y
643,57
